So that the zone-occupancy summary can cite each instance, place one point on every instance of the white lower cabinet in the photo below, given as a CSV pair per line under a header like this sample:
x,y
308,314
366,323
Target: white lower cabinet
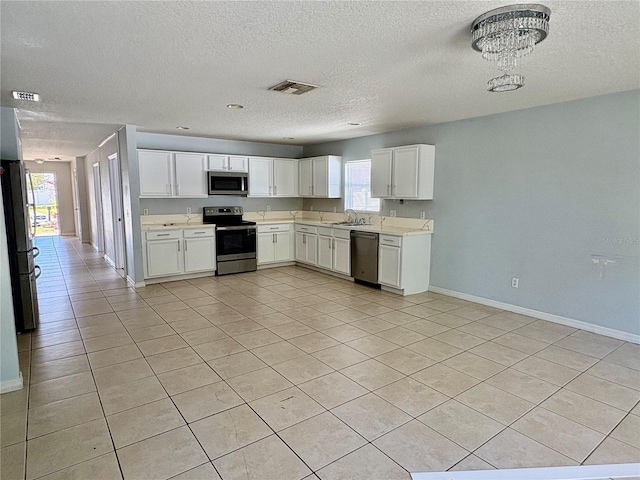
x,y
307,244
404,262
199,250
334,250
275,244
389,265
342,255
176,252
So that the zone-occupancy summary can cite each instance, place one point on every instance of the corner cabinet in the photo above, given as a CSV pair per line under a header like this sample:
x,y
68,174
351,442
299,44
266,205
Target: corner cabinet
x,y
172,174
273,177
320,177
403,172
307,244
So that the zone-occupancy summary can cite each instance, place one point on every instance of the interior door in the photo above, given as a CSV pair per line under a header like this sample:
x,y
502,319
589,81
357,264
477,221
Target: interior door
x,y
116,210
97,195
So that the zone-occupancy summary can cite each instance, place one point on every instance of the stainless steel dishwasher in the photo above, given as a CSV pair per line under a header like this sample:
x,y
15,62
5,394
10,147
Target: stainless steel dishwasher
x,y
364,256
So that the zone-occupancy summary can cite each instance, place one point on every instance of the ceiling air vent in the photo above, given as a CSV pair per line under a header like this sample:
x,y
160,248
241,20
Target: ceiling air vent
x,y
293,87
31,97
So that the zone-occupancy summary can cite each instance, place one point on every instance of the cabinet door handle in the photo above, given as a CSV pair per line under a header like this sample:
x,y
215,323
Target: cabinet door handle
x,y
273,238
178,245
275,189
185,245
198,233
162,234
269,189
304,239
274,228
388,189
312,189
177,189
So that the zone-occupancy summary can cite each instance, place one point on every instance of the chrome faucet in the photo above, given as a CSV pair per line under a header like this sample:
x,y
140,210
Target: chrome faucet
x,y
348,215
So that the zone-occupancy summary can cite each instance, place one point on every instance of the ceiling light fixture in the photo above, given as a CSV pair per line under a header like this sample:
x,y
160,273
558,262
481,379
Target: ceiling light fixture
x,y
182,127
235,106
354,124
506,34
39,161
288,138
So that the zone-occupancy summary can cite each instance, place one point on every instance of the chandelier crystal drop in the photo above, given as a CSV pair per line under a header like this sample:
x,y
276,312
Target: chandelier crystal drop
x,y
505,35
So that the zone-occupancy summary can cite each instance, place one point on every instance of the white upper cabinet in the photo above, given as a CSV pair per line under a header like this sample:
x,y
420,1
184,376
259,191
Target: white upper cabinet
x,y
156,173
273,177
228,163
168,174
305,172
260,181
285,177
190,175
403,172
381,165
320,177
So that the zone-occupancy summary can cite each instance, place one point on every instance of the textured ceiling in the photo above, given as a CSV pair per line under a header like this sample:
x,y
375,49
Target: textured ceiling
x,y
386,64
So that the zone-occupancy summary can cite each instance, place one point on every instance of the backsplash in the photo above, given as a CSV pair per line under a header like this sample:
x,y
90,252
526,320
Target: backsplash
x,y
407,209
160,206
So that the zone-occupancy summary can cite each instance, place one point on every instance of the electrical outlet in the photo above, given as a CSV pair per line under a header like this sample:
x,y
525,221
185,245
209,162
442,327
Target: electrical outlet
x,y
268,208
188,209
145,211
392,213
514,282
423,215
335,209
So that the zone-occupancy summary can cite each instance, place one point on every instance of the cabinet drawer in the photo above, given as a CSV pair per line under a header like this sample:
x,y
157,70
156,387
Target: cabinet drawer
x,y
163,235
341,233
198,232
390,240
327,231
306,229
285,227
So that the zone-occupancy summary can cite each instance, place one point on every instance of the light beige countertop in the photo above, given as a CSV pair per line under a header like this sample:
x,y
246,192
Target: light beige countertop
x,y
385,225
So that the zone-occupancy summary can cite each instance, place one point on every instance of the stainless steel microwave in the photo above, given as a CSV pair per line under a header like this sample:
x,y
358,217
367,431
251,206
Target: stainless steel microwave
x,y
228,183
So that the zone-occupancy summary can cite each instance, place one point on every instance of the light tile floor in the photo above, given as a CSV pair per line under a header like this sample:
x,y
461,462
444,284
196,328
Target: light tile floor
x,y
288,373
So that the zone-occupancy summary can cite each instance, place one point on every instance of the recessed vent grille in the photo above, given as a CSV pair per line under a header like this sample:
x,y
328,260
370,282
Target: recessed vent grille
x,y
30,97
292,87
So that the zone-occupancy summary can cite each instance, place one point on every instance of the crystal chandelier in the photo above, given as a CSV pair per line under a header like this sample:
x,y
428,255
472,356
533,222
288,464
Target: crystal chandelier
x,y
506,34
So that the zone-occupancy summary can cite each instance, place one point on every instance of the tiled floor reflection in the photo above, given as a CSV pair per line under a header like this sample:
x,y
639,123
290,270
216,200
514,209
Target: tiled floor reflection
x,y
288,373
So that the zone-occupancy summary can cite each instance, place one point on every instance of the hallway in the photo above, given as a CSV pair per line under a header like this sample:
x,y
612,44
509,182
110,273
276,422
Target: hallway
x,y
284,372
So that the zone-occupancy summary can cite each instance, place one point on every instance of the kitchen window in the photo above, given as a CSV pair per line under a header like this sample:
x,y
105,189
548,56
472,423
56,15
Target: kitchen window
x,y
357,187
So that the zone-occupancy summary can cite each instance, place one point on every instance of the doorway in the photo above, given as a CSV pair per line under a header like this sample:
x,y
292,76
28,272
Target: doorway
x,y
97,193
42,189
116,210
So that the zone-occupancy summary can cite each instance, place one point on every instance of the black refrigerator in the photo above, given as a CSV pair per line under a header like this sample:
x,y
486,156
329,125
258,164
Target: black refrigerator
x,y
22,253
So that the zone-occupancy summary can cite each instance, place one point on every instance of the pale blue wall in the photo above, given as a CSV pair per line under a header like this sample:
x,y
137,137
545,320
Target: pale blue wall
x,y
532,194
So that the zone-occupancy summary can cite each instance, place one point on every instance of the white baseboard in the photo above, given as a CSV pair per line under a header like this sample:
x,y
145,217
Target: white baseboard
x,y
111,263
135,284
569,322
7,386
582,472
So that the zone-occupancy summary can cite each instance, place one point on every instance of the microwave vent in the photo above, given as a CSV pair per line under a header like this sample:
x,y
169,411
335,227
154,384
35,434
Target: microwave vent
x,y
292,87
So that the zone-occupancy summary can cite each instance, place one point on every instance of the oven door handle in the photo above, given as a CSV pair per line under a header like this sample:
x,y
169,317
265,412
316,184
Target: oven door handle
x,y
239,227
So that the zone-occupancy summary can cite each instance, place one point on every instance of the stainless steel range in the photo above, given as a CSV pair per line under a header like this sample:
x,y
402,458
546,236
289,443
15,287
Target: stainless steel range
x,y
235,240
